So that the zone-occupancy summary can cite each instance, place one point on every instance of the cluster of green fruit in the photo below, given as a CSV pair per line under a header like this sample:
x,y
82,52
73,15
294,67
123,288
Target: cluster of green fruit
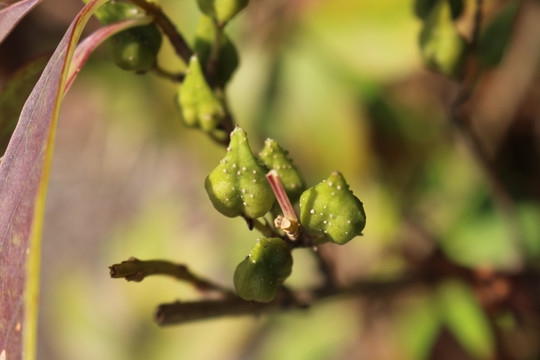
x,y
238,186
329,211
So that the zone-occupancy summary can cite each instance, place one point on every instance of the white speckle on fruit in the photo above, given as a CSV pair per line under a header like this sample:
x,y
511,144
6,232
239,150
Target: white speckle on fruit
x,y
339,187
312,211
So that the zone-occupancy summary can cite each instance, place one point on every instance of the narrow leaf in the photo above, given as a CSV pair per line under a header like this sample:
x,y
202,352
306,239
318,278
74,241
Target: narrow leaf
x,y
466,319
23,183
11,15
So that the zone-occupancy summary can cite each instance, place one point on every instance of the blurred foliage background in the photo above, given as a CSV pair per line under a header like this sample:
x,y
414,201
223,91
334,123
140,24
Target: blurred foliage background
x,y
340,84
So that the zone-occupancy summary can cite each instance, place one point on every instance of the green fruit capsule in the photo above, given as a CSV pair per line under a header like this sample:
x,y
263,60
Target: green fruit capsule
x,y
441,45
134,49
331,210
222,10
238,186
227,57
264,270
274,157
199,105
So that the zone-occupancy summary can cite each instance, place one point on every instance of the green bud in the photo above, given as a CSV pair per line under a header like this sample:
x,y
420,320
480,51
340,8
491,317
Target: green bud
x,y
227,57
331,210
274,157
441,45
496,36
238,186
263,271
134,49
199,105
222,10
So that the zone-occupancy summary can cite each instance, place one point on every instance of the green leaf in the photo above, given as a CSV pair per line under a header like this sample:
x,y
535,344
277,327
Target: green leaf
x,y
263,271
494,40
441,46
275,157
24,172
331,210
466,319
199,105
222,10
238,186
226,61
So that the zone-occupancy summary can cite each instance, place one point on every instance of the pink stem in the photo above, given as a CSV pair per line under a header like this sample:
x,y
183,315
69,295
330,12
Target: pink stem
x,y
281,196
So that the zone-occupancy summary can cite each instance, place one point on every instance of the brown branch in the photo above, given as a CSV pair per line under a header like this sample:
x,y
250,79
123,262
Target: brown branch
x,y
136,270
160,18
183,312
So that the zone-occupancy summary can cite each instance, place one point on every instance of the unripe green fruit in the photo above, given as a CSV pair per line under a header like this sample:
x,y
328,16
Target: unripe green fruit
x,y
238,186
441,45
199,105
222,10
262,272
134,49
227,57
330,209
274,157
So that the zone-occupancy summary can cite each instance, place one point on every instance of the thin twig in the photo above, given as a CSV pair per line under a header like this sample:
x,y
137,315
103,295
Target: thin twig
x,y
162,20
182,312
136,270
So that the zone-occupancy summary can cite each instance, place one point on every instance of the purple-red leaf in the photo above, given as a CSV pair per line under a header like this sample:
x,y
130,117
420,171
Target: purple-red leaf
x,y
12,14
14,95
23,182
